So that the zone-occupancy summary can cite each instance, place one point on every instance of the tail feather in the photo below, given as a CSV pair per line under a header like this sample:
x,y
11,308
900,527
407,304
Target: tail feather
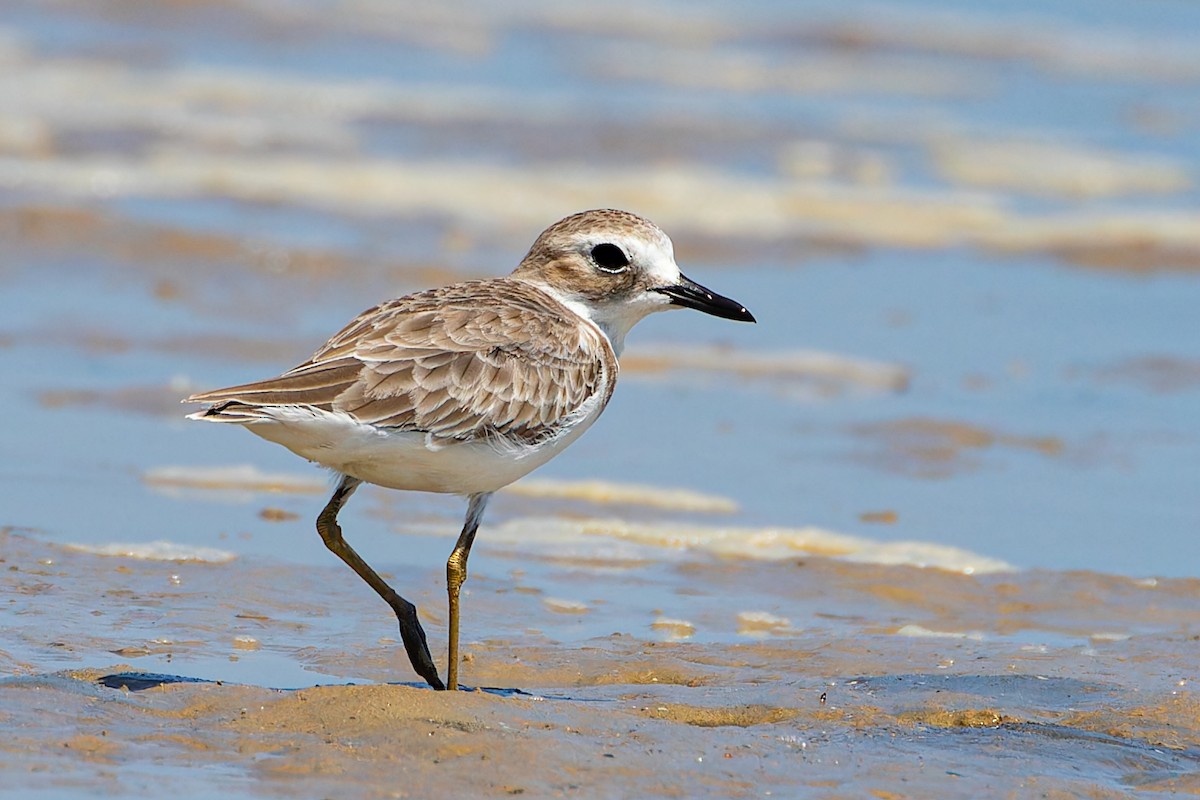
x,y
316,387
230,411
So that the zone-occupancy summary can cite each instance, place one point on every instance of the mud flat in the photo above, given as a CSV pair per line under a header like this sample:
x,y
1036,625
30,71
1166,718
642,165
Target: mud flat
x,y
901,680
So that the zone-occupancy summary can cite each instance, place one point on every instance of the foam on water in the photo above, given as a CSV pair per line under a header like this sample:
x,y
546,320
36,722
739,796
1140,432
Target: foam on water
x,y
921,631
590,536
609,492
809,366
157,551
238,478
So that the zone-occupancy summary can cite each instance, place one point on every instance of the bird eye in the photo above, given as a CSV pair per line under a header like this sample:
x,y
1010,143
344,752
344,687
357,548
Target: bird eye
x,y
609,257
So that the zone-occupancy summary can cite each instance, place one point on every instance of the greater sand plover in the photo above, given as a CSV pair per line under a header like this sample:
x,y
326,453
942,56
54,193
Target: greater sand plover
x,y
466,388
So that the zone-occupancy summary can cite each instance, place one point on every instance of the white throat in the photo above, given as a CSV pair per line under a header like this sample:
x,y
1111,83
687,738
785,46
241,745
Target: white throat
x,y
616,318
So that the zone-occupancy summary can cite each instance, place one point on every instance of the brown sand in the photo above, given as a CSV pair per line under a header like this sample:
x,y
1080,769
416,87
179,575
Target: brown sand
x,y
1009,666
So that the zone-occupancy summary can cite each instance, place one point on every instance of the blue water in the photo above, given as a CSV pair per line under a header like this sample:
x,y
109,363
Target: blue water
x,y
1121,497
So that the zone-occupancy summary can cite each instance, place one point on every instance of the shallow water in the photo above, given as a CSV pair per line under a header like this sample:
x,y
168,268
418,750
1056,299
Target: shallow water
x,y
897,679
948,479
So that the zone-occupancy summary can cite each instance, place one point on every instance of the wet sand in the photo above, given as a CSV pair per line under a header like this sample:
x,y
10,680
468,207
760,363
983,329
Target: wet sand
x,y
906,682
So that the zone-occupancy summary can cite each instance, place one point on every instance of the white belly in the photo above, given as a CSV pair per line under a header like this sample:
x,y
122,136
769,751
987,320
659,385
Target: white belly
x,y
410,460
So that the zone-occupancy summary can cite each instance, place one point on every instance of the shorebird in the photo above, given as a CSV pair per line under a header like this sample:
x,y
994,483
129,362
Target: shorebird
x,y
466,388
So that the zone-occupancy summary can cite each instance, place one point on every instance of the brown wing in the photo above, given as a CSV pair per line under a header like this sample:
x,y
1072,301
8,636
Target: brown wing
x,y
441,362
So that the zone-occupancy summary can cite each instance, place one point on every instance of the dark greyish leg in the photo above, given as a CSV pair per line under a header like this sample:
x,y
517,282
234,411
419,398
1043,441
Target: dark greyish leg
x,y
410,627
456,574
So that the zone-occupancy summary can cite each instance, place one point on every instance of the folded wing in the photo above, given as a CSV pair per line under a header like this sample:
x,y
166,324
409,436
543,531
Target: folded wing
x,y
442,363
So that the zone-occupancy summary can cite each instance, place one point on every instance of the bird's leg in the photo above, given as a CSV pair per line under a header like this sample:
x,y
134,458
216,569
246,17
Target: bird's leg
x,y
456,574
410,627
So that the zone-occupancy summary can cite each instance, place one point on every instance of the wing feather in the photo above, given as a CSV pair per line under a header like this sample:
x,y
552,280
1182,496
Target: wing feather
x,y
435,362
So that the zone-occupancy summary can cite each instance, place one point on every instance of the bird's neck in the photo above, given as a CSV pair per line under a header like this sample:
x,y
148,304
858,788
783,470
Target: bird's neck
x,y
614,320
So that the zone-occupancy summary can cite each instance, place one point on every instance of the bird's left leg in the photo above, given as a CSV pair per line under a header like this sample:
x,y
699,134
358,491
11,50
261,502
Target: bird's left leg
x,y
456,574
411,632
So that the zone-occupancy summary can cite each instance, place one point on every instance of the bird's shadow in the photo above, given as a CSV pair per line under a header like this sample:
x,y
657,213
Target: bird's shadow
x,y
141,681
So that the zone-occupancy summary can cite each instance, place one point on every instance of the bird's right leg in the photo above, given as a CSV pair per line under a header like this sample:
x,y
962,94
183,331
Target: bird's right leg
x,y
410,627
456,573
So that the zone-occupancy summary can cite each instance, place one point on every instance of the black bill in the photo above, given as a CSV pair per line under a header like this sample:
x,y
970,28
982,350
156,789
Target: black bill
x,y
690,294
